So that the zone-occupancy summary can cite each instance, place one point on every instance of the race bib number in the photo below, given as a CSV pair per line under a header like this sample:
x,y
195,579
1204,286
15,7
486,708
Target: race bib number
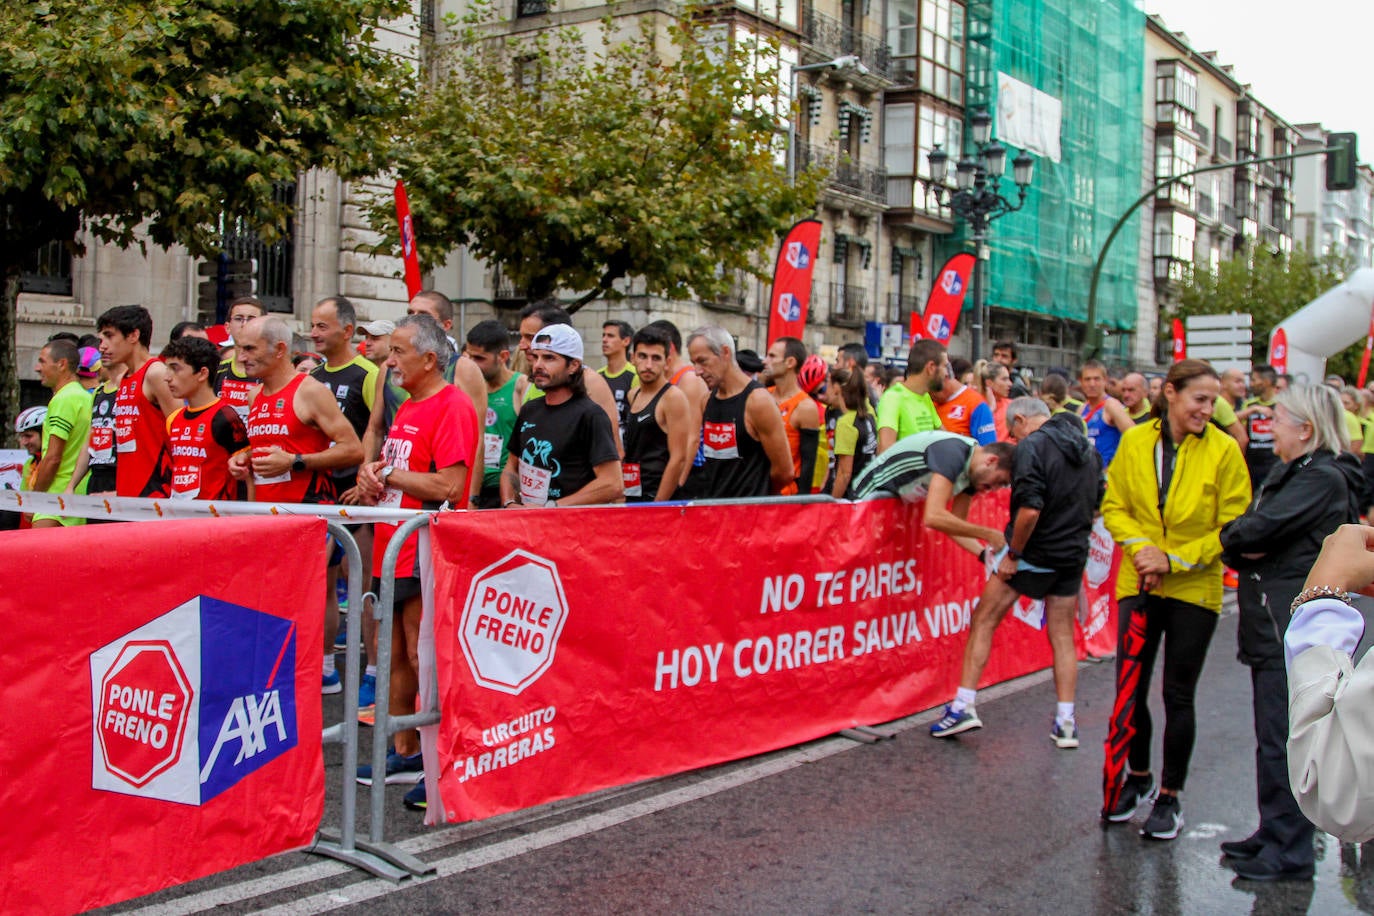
x,y
630,474
391,499
534,484
280,478
719,440
124,436
102,445
186,483
491,449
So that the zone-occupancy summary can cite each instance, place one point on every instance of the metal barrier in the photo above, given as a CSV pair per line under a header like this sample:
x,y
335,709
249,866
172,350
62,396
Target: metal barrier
x,y
372,855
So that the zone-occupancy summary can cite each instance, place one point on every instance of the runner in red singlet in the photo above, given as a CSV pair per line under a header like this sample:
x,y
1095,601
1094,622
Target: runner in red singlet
x,y
205,433
296,435
144,465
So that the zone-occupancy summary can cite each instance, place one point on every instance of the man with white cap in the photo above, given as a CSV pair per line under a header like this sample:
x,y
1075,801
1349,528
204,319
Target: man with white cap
x,y
376,343
564,450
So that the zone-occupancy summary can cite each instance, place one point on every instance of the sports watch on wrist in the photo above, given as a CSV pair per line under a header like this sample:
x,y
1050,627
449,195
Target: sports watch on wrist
x,y
298,463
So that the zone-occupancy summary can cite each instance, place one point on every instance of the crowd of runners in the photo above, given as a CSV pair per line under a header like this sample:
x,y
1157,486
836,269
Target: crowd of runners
x,y
416,414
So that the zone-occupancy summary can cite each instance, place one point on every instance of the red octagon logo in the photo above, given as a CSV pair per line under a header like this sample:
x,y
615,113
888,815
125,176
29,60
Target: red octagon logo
x,y
514,615
145,701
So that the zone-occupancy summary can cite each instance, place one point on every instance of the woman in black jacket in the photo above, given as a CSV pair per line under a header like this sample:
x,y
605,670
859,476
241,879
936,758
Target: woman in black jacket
x,y
1312,491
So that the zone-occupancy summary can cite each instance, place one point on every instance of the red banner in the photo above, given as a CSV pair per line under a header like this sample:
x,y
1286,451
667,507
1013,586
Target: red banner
x,y
791,295
163,683
1180,341
1278,351
409,254
1368,347
946,299
556,679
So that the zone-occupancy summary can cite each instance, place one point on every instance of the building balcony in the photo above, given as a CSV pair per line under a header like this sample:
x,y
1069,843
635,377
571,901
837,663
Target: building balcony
x,y
1230,219
832,38
845,175
900,308
847,305
1206,207
1223,149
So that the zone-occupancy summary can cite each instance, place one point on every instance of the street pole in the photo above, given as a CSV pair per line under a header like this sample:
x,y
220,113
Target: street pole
x,y
979,233
1092,341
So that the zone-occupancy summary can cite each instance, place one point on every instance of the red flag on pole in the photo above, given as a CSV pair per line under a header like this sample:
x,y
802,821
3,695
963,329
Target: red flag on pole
x,y
1278,351
1368,346
946,300
791,295
408,252
1180,341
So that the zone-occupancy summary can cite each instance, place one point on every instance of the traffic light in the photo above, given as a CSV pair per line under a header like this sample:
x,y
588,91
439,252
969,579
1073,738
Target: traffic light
x,y
1341,162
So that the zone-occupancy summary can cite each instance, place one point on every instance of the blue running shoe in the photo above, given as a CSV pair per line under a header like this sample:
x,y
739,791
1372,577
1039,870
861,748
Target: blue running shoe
x,y
367,691
341,640
400,770
332,684
415,799
952,723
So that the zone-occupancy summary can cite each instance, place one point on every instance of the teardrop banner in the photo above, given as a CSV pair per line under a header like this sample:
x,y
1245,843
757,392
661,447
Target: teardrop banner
x,y
1180,341
409,254
791,294
946,300
1278,351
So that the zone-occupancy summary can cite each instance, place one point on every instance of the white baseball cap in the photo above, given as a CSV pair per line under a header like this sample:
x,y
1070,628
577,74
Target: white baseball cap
x,y
560,339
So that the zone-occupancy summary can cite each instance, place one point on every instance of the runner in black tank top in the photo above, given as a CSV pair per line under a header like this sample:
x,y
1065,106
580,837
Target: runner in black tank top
x,y
646,448
736,464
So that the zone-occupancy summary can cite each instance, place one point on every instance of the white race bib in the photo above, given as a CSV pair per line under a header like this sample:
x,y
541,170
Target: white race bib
x,y
534,484
491,449
630,474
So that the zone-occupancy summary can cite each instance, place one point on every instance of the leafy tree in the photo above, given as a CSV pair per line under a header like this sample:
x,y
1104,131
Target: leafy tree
x,y
653,156
151,119
1268,286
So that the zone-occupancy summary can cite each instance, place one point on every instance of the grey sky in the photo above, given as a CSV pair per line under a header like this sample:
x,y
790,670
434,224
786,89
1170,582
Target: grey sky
x,y
1307,61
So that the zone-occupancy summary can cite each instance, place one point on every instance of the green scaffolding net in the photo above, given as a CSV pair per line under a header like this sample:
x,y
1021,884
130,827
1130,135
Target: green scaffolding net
x,y
1089,55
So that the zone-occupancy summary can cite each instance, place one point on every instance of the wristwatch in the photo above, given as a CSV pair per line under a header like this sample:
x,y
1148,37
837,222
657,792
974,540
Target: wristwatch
x,y
298,463
386,472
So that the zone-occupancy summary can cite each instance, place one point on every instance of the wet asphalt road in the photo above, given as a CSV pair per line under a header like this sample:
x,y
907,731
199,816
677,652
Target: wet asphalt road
x,y
996,821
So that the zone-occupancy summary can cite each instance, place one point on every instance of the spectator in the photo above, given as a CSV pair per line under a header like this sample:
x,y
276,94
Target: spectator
x,y
563,450
1351,401
1258,416
1233,387
906,407
744,443
1167,518
1314,489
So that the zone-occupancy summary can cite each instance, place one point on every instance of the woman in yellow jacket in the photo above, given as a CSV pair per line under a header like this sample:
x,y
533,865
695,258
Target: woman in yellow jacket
x,y
1174,482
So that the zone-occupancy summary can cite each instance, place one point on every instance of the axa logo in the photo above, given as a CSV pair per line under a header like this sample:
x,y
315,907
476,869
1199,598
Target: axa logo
x,y
937,326
798,256
789,307
193,702
951,282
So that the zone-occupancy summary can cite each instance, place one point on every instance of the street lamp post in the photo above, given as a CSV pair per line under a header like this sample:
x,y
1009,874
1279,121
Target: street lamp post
x,y
847,62
976,198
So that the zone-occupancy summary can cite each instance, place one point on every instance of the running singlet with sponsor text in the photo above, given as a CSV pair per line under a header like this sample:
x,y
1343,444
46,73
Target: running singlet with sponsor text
x,y
272,421
144,465
202,442
234,387
101,445
736,464
437,432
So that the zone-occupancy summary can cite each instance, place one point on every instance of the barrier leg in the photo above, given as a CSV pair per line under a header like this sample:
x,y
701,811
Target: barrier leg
x,y
376,858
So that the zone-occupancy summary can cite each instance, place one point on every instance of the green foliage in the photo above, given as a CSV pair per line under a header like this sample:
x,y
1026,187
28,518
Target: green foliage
x,y
1270,287
167,113
653,155
161,115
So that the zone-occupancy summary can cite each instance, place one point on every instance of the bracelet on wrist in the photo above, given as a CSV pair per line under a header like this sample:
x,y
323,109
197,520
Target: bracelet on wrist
x,y
1318,591
508,503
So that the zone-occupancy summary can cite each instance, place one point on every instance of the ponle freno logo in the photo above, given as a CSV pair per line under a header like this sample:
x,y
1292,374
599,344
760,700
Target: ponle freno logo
x,y
192,702
511,622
